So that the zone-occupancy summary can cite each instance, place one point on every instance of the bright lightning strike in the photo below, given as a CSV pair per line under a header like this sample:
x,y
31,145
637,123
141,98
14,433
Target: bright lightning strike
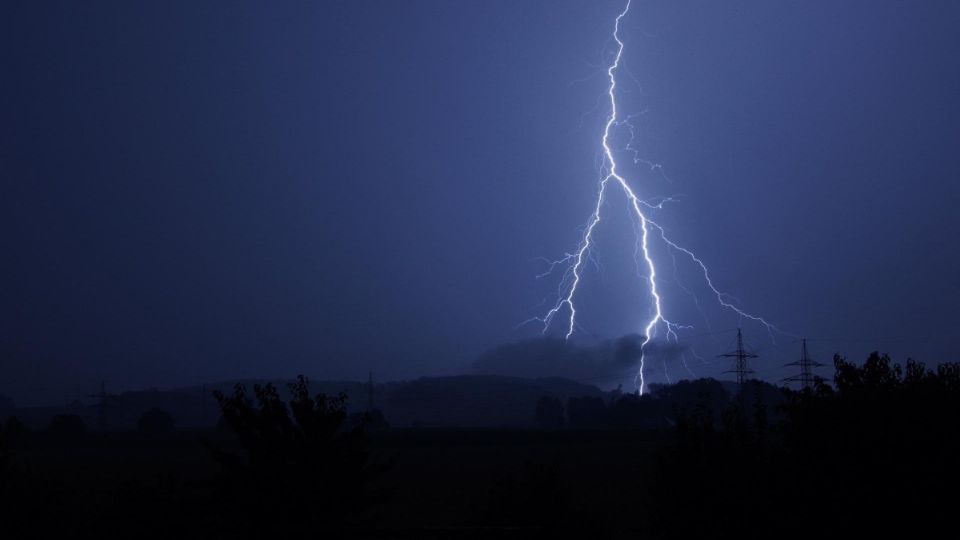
x,y
574,262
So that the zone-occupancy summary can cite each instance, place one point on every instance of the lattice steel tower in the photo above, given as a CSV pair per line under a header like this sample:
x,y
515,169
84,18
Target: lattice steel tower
x,y
806,377
741,355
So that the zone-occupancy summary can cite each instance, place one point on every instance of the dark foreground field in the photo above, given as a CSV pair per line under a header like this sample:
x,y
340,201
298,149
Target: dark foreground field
x,y
875,453
434,484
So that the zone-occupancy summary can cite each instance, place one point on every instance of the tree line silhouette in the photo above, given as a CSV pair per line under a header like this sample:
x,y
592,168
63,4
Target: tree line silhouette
x,y
300,466
873,453
876,454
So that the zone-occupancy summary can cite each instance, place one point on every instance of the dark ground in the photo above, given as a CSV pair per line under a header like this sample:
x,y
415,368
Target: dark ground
x,y
875,454
438,483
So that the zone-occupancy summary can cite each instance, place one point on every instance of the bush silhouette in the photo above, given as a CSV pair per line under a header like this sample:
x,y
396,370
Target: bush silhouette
x,y
300,467
870,457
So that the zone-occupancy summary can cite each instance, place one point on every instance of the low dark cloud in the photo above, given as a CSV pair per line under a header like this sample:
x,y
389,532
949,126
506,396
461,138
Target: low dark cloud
x,y
600,362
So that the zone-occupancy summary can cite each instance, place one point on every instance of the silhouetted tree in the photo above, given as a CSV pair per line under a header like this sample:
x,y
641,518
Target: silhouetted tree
x,y
631,411
300,470
549,414
700,396
868,458
155,422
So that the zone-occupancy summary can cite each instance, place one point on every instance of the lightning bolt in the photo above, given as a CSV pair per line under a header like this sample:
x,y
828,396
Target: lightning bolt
x,y
574,262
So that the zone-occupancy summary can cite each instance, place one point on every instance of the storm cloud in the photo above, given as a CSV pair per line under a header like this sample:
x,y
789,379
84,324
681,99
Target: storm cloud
x,y
600,362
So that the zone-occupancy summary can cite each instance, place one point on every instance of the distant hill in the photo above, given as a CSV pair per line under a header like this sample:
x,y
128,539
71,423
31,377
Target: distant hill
x,y
475,400
464,401
472,401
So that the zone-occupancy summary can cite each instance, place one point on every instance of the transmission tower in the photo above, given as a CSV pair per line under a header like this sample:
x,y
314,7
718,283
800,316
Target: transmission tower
x,y
104,402
806,377
741,355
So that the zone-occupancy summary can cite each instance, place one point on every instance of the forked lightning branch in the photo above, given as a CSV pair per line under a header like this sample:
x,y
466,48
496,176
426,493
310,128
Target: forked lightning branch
x,y
563,313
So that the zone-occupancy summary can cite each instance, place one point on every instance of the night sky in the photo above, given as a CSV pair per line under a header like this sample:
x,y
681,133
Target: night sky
x,y
198,191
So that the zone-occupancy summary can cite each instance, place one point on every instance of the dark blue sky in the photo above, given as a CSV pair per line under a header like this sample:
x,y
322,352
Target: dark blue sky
x,y
197,191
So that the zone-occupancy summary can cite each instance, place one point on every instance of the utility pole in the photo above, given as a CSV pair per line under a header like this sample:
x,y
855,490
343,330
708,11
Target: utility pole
x,y
806,377
740,367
